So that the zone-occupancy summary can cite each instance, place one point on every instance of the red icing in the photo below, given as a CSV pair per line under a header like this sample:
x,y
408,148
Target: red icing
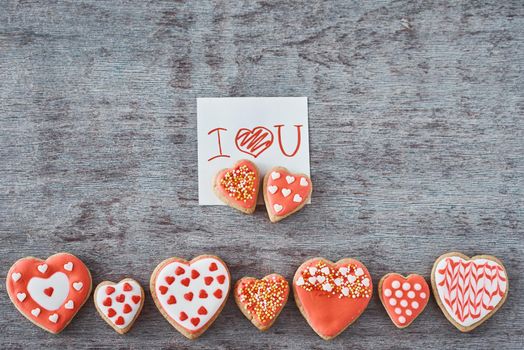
x,y
218,293
49,291
183,316
286,199
120,298
213,267
330,314
185,282
127,287
400,313
194,274
110,290
170,280
253,191
195,321
202,294
136,298
221,279
107,302
27,267
127,308
163,289
188,296
208,280
119,321
202,311
179,271
171,300
111,312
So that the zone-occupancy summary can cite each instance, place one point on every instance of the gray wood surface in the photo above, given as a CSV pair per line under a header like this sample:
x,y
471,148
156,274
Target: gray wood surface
x,y
416,119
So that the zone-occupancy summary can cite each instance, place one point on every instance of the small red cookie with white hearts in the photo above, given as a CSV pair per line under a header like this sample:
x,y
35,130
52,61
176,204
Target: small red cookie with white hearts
x,y
49,292
238,186
120,303
285,193
404,298
191,294
331,296
262,300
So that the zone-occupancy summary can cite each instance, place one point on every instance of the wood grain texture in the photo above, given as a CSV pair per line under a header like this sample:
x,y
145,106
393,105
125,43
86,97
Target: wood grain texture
x,y
416,118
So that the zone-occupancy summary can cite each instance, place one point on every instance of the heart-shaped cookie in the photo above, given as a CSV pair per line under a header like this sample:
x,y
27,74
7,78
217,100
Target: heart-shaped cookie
x,y
49,293
469,290
285,193
404,298
331,296
120,303
262,300
238,186
191,294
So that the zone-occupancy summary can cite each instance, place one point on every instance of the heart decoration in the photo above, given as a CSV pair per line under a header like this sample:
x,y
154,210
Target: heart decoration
x,y
331,296
404,298
469,290
191,294
49,293
254,141
120,303
238,186
285,193
262,300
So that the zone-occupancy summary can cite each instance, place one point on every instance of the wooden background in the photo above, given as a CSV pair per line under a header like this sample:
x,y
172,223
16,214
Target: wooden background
x,y
416,119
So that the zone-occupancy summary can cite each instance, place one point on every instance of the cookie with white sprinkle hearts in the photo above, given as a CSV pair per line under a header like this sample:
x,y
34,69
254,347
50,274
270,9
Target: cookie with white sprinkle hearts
x,y
285,193
238,186
469,290
191,294
404,298
120,303
262,300
49,292
331,296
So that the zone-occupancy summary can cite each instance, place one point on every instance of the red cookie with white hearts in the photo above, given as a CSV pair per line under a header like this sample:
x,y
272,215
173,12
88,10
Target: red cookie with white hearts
x,y
331,296
404,298
49,293
191,294
469,290
120,303
238,186
262,300
285,193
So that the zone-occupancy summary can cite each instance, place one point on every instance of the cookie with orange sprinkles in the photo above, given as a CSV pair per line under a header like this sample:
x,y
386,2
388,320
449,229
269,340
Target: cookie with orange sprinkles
x,y
262,300
238,186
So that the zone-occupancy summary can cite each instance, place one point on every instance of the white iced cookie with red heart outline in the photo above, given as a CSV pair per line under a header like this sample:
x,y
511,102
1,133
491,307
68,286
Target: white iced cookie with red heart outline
x,y
285,193
469,290
120,303
191,295
49,292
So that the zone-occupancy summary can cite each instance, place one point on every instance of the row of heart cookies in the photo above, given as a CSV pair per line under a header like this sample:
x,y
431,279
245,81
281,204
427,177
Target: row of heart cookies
x,y
284,193
191,294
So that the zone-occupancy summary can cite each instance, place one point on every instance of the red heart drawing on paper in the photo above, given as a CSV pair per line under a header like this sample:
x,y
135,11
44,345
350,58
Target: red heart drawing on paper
x,y
254,141
120,303
469,290
190,295
331,296
262,300
404,298
49,293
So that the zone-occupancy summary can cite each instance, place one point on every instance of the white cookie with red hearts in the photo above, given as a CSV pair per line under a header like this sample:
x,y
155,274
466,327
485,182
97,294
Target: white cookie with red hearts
x,y
191,294
120,303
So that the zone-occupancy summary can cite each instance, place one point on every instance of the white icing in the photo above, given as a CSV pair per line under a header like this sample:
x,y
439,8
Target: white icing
x,y
321,279
365,282
300,281
345,291
387,292
290,179
21,296
272,189
211,303
338,281
398,293
414,305
392,301
303,182
395,284
101,295
68,266
60,284
36,311
286,192
409,312
16,276
411,294
343,270
423,295
275,175
398,310
42,268
69,305
417,286
406,286
483,283
401,319
312,279
53,318
404,303
312,270
277,207
78,285
351,278
325,270
327,287
359,271
297,198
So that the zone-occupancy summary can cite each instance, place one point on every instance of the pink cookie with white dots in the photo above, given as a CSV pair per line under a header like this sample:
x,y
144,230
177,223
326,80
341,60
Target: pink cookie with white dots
x,y
404,298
